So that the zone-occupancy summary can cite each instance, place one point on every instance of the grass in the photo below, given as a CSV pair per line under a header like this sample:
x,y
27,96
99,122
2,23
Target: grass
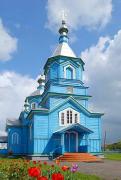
x,y
80,176
113,156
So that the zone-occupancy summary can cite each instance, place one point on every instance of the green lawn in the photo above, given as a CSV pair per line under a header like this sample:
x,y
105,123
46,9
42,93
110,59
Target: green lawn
x,y
113,156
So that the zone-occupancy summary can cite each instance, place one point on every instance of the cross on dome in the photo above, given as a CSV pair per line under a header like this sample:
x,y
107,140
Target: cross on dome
x,y
64,15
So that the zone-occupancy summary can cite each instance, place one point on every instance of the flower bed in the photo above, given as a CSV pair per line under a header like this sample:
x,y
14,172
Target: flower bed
x,y
18,169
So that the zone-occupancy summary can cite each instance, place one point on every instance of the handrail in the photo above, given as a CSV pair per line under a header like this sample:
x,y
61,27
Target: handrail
x,y
52,152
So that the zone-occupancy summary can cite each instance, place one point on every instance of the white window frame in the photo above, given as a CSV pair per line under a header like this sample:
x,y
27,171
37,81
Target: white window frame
x,y
74,71
65,117
15,136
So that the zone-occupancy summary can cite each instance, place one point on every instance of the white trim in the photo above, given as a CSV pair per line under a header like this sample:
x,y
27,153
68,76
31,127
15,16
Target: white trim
x,y
65,117
74,71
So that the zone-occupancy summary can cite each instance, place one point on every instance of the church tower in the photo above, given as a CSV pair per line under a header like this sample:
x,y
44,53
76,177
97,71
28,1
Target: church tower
x,y
64,72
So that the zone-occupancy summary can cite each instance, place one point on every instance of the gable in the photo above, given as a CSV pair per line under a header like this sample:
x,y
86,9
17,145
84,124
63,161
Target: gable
x,y
71,102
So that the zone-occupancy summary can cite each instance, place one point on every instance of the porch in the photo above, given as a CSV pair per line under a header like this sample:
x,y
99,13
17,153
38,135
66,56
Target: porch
x,y
74,138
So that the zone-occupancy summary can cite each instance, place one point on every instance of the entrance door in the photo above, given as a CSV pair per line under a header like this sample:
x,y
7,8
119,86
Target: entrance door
x,y
71,142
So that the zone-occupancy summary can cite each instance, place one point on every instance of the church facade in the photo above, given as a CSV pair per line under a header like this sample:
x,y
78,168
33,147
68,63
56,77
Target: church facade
x,y
56,118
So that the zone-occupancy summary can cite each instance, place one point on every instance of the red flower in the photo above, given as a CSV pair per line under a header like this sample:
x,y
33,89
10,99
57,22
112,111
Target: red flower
x,y
45,163
57,176
65,168
42,178
27,160
34,162
34,172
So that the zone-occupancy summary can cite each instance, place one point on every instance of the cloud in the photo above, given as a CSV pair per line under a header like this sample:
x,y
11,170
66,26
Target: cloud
x,y
103,75
8,44
90,14
13,90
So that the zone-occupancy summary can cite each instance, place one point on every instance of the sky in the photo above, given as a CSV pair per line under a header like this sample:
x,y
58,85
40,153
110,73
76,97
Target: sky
x,y
29,35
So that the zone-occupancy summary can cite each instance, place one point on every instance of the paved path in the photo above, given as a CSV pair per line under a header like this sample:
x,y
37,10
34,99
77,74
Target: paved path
x,y
108,170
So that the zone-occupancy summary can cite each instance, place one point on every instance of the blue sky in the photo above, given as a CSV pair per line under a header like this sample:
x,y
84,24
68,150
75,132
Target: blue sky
x,y
94,34
27,20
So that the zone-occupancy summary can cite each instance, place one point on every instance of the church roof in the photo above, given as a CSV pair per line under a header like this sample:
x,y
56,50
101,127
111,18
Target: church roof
x,y
74,127
13,122
36,93
63,49
3,139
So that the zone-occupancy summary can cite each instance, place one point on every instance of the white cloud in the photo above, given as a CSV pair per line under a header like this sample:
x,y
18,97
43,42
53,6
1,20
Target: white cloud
x,y
8,44
86,13
103,75
13,90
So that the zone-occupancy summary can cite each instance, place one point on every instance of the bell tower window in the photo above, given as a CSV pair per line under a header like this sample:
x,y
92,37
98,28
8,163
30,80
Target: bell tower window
x,y
69,72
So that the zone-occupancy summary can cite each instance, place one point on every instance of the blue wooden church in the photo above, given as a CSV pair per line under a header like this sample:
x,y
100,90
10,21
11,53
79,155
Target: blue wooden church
x,y
56,118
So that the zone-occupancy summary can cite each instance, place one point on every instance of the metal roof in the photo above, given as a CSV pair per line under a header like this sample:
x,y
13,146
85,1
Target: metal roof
x,y
74,127
13,122
3,139
35,93
63,49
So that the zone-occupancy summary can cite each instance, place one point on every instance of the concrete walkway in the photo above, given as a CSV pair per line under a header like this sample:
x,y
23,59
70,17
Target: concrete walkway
x,y
108,169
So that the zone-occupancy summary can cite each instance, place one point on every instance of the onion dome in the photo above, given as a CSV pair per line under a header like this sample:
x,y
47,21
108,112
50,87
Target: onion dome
x,y
26,105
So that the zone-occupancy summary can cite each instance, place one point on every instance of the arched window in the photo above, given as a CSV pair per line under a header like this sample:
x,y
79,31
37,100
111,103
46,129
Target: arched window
x,y
69,72
69,116
33,105
15,138
30,132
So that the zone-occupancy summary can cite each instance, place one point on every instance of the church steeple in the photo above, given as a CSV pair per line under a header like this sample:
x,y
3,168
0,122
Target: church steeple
x,y
63,47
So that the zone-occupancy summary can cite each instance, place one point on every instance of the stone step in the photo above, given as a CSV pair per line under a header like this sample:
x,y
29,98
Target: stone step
x,y
78,157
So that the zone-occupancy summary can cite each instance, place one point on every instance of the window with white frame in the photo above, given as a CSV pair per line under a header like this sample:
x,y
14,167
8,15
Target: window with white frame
x,y
15,138
69,72
69,116
33,105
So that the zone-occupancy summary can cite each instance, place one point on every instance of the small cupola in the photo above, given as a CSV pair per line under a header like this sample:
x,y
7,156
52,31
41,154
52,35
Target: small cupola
x,y
26,105
41,82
